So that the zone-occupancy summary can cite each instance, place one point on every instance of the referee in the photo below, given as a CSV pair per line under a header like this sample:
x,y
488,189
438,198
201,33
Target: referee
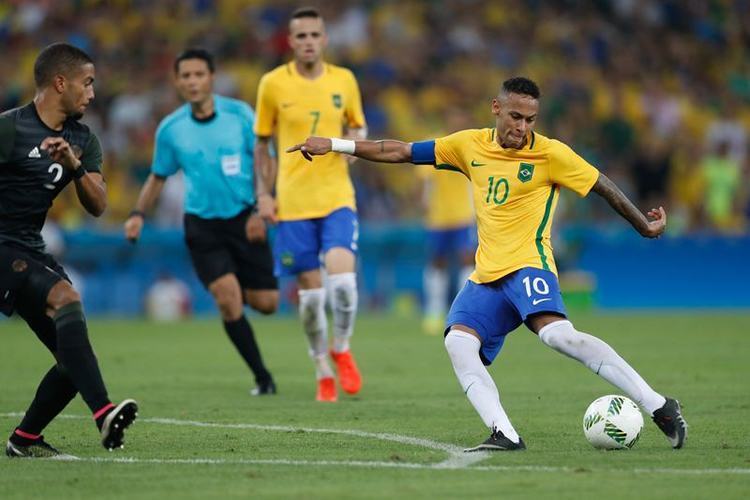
x,y
211,139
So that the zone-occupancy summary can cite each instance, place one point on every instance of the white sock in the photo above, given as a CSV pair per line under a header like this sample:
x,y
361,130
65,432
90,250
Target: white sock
x,y
435,283
313,314
476,382
600,358
343,293
463,275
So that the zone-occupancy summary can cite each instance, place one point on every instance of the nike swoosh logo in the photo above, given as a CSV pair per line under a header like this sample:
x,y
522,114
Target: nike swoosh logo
x,y
286,104
539,301
475,163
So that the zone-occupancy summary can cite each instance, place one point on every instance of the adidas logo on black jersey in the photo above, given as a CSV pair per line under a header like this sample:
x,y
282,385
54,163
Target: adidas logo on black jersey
x,y
34,153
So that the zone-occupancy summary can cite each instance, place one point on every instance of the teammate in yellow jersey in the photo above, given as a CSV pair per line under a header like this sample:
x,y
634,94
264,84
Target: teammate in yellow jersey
x,y
516,175
314,208
451,240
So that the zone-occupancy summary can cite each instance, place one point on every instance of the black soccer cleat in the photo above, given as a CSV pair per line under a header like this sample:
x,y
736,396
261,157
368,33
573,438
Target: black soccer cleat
x,y
115,423
498,442
38,449
669,419
264,389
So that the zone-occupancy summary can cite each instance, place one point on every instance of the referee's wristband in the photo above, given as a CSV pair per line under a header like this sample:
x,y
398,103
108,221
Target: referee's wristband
x,y
79,172
138,213
343,146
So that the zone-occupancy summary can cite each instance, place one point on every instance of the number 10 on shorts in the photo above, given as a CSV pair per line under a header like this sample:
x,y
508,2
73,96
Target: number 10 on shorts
x,y
539,285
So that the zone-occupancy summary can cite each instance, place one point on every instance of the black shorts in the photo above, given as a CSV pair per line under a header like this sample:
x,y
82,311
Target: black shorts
x,y
220,246
26,278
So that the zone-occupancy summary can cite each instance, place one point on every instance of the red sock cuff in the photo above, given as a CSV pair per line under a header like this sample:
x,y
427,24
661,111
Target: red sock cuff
x,y
104,410
26,434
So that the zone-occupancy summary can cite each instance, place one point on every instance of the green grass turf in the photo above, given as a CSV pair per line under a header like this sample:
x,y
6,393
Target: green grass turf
x,y
189,371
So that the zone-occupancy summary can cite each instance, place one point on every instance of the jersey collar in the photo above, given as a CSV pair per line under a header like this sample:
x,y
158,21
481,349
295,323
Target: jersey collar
x,y
528,146
292,68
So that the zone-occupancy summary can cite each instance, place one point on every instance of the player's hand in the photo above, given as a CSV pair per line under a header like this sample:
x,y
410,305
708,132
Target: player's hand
x,y
255,228
313,146
133,227
658,224
61,152
267,208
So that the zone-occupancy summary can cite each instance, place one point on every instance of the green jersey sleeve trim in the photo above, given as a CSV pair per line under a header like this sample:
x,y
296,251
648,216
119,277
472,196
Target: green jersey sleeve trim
x,y
91,159
7,138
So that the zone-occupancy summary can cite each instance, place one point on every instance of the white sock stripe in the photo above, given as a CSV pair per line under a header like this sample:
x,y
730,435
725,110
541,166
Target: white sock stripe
x,y
311,292
555,324
342,278
463,335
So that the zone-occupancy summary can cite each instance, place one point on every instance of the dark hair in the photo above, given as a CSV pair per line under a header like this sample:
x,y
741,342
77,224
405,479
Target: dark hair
x,y
521,85
194,53
58,59
305,12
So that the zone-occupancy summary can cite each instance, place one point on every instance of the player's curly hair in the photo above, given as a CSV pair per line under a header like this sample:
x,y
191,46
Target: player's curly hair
x,y
521,85
58,59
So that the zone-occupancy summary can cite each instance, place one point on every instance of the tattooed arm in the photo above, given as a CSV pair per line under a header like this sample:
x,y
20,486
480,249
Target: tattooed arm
x,y
607,189
386,151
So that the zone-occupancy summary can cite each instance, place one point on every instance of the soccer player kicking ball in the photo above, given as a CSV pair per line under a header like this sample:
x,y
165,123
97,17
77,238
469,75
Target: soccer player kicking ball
x,y
43,148
516,176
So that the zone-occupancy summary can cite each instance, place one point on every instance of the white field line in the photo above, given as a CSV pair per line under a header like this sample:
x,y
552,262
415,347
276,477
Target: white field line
x,y
457,459
398,465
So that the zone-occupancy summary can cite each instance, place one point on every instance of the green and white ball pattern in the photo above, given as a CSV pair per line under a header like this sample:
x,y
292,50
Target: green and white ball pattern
x,y
612,423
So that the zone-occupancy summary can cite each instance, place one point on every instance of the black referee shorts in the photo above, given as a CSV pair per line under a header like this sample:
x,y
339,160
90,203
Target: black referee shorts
x,y
220,246
26,278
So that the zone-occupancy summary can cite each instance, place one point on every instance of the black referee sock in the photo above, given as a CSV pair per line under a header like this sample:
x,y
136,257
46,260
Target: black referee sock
x,y
241,334
54,393
77,357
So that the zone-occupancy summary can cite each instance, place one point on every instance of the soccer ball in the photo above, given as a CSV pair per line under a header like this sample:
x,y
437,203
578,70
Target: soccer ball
x,y
612,423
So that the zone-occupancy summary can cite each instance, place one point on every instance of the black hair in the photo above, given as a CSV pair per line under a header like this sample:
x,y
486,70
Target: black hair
x,y
58,59
521,85
305,12
195,53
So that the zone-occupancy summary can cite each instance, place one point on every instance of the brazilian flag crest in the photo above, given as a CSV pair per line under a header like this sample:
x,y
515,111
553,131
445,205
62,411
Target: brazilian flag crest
x,y
287,259
337,100
525,172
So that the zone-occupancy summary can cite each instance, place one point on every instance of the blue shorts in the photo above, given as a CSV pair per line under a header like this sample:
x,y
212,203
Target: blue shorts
x,y
496,309
446,242
299,243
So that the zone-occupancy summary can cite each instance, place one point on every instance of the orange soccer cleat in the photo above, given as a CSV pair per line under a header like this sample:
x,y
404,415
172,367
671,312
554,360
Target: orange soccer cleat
x,y
327,390
349,377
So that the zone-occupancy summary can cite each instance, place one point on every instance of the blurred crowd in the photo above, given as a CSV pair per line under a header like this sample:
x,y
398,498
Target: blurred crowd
x,y
654,93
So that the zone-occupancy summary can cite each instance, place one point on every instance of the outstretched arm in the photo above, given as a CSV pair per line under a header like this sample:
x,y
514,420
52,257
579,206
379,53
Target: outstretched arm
x,y
386,151
608,190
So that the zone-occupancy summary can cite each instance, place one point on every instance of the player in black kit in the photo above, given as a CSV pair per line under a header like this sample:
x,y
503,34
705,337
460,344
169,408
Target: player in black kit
x,y
43,148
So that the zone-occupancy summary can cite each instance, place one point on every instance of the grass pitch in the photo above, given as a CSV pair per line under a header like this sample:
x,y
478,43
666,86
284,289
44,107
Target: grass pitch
x,y
200,435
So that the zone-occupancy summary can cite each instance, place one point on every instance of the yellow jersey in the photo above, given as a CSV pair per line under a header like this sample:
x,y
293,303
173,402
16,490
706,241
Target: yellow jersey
x,y
448,195
515,195
297,107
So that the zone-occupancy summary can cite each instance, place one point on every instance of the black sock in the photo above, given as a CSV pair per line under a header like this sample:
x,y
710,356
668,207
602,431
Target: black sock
x,y
54,393
77,357
241,334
